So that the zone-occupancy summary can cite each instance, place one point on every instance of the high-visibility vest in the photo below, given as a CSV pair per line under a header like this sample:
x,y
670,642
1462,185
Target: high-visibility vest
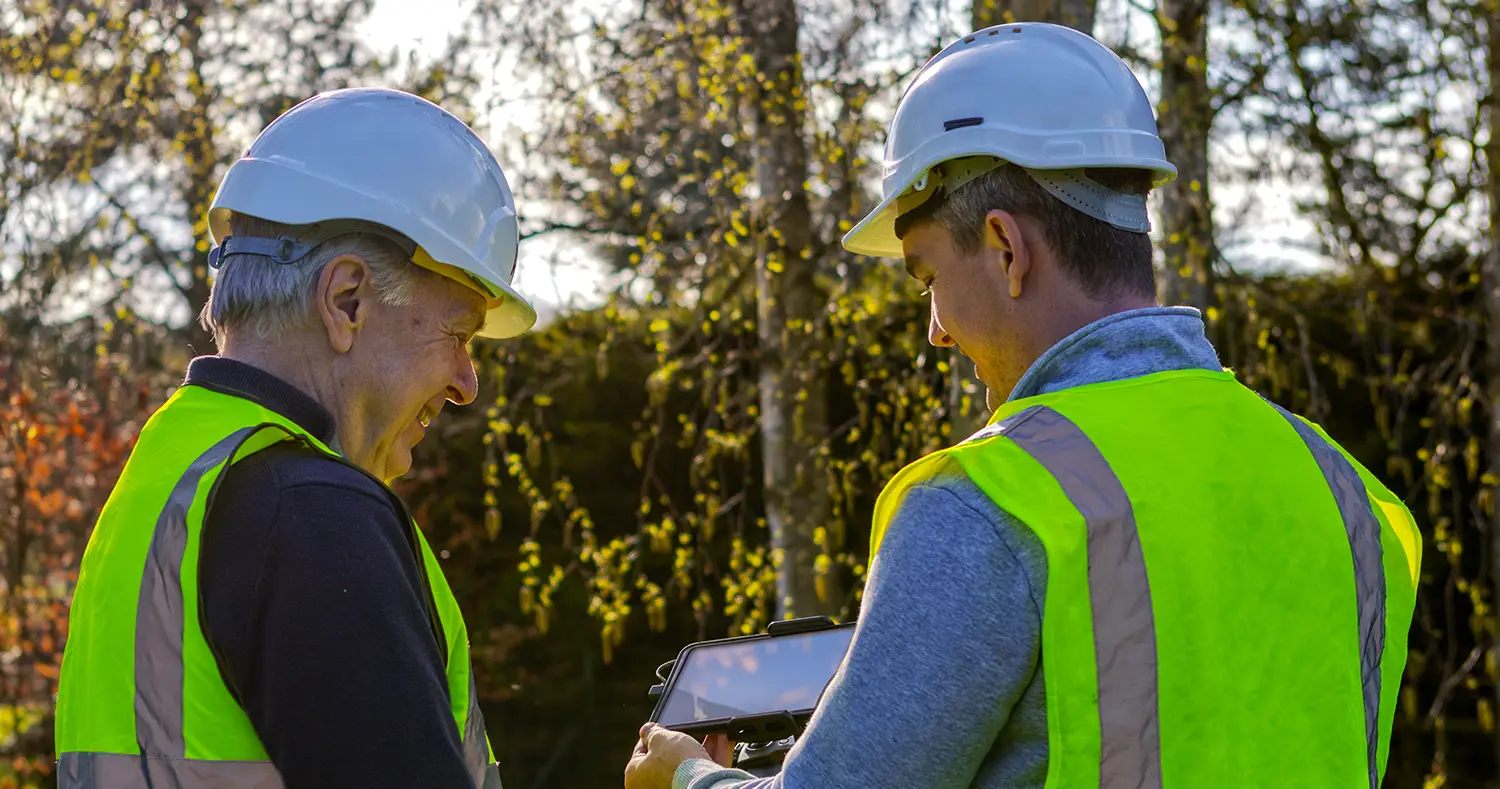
x,y
141,701
1228,591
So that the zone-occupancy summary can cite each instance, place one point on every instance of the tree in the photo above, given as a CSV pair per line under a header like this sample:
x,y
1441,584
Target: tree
x,y
116,121
1077,14
1363,130
793,392
71,401
1185,118
606,499
1490,274
713,155
120,118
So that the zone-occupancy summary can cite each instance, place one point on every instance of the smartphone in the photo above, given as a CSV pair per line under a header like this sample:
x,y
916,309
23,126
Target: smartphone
x,y
716,682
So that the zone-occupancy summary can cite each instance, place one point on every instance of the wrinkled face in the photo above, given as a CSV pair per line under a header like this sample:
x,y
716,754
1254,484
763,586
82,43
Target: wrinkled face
x,y
970,304
412,359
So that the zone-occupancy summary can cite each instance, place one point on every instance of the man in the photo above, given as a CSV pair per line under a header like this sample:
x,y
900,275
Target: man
x,y
1139,574
256,608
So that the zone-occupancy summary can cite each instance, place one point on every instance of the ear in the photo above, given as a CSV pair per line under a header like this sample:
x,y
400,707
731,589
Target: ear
x,y
343,301
1002,234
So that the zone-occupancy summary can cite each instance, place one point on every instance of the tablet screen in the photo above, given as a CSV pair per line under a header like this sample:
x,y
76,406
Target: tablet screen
x,y
750,677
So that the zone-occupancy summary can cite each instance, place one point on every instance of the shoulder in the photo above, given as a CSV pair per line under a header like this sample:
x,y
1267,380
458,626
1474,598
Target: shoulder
x,y
947,506
946,491
291,469
290,511
946,479
296,498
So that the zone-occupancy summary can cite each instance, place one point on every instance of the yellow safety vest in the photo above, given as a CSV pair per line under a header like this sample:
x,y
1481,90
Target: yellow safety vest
x,y
141,701
1228,591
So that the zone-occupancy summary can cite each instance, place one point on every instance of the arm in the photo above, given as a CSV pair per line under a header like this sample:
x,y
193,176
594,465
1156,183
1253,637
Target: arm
x,y
948,639
314,606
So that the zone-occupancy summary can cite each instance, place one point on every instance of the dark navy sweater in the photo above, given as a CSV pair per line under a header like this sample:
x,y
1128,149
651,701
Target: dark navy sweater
x,y
315,604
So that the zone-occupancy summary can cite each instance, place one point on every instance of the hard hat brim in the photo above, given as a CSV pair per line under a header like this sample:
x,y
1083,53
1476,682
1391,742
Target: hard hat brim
x,y
875,235
511,319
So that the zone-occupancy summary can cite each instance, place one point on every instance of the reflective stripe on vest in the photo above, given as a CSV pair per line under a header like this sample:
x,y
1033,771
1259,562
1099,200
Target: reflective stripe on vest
x,y
127,771
1363,529
1120,593
159,674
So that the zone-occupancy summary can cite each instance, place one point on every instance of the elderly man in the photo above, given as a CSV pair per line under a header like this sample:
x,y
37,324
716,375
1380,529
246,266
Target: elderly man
x,y
1139,574
256,607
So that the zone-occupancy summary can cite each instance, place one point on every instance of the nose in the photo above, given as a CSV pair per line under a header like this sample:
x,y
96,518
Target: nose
x,y
465,385
935,333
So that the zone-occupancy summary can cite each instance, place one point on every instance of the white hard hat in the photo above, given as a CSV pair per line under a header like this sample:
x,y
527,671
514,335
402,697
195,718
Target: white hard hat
x,y
389,162
1043,96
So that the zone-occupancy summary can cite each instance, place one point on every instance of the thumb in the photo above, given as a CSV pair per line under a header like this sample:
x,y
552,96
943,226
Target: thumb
x,y
652,731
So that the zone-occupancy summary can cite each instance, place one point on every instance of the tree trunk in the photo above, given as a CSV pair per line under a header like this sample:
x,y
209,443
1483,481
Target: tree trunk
x,y
1077,14
1491,284
1184,117
793,385
967,411
201,163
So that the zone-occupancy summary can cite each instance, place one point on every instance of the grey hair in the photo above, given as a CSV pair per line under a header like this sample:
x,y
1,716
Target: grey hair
x,y
255,294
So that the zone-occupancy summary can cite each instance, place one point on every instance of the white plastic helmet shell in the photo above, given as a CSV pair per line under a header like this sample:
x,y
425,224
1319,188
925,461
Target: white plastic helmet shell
x,y
396,160
1043,96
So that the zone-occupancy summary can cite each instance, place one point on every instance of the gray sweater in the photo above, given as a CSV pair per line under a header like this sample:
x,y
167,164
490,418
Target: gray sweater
x,y
942,686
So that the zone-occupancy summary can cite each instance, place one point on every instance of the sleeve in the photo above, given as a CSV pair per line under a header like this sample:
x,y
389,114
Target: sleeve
x,y
947,642
316,611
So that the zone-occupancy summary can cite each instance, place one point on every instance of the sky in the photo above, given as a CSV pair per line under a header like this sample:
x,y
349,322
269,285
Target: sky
x,y
555,271
552,272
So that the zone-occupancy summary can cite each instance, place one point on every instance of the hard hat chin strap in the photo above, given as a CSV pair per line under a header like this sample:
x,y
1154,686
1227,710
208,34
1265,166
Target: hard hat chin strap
x,y
295,244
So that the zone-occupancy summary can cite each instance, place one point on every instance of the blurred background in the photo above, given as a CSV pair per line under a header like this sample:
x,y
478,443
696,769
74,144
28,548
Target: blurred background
x,y
691,442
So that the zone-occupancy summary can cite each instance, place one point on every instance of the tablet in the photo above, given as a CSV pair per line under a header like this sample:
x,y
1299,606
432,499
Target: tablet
x,y
714,683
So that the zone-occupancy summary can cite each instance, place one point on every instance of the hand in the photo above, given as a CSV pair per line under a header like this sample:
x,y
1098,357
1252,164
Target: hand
x,y
661,751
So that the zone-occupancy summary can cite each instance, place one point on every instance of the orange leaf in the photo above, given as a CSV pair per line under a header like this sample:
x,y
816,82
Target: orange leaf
x,y
50,504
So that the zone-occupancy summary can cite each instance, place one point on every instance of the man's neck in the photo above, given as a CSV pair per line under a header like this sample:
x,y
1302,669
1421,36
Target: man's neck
x,y
275,361
290,362
1077,312
1122,344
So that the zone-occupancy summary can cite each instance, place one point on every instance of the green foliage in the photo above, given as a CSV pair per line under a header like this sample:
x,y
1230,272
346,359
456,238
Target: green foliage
x,y
659,159
71,403
605,501
119,119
